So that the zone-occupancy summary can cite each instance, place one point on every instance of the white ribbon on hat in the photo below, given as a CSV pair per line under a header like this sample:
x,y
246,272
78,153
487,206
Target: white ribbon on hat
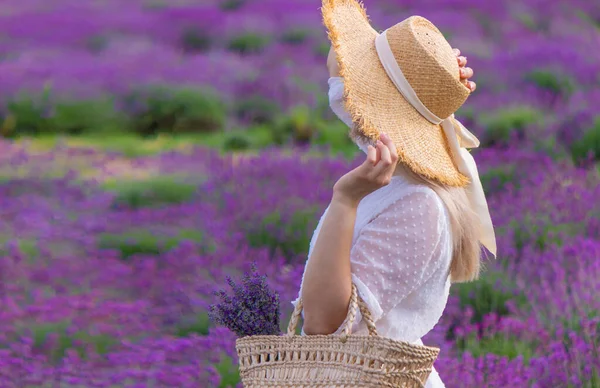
x,y
463,159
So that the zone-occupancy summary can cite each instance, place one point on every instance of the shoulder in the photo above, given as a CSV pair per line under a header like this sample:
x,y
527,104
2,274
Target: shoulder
x,y
410,195
416,204
415,222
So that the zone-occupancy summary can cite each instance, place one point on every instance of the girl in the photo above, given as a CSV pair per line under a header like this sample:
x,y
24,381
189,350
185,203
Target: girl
x,y
412,218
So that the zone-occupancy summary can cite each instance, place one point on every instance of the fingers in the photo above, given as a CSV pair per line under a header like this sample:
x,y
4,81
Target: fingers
x,y
469,84
391,154
371,155
381,161
386,157
382,173
466,72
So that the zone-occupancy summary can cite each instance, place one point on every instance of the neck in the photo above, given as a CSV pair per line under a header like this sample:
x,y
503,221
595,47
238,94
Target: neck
x,y
402,171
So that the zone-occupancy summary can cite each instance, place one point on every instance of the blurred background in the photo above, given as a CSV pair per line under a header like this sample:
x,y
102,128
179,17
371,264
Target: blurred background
x,y
150,148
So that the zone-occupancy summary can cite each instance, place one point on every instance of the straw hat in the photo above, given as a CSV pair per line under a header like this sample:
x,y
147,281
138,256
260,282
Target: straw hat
x,y
429,65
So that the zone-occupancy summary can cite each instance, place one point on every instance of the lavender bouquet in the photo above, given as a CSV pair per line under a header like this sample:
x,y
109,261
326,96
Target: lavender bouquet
x,y
252,310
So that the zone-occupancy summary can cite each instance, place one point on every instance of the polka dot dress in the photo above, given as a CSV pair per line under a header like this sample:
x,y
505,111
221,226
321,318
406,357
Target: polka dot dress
x,y
400,258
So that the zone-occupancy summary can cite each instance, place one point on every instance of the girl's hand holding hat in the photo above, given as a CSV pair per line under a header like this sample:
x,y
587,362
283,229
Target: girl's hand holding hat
x,y
375,172
465,72
380,164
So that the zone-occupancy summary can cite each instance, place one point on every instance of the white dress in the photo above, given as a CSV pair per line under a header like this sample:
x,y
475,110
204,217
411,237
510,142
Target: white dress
x,y
400,258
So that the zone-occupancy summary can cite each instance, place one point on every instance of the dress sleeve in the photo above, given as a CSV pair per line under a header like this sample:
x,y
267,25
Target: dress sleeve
x,y
398,251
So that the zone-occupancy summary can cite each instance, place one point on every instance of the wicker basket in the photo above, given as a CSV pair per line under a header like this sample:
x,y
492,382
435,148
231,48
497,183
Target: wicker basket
x,y
342,360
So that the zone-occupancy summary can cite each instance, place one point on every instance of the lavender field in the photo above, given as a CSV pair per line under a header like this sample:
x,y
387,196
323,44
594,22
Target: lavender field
x,y
151,148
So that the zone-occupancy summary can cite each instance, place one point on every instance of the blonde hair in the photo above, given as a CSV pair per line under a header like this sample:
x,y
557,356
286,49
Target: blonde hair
x,y
466,250
466,253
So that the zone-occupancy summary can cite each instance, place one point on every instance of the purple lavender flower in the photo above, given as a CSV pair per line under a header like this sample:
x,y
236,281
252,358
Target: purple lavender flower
x,y
252,310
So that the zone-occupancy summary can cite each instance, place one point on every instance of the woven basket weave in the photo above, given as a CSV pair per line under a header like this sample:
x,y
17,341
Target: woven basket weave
x,y
341,360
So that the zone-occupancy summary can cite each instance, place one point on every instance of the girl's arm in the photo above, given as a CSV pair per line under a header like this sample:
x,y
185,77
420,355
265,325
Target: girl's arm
x,y
327,282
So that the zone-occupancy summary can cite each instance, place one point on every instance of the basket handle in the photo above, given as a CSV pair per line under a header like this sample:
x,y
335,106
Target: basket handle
x,y
355,301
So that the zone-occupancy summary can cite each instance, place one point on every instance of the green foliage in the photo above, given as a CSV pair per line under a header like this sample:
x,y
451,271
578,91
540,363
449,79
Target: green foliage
x,y
295,36
237,142
285,322
256,109
80,340
322,49
298,125
195,40
231,5
160,109
488,295
534,22
141,241
91,116
550,146
522,234
589,144
334,134
229,372
249,43
291,237
200,326
27,115
499,344
36,116
547,80
542,234
247,139
552,234
155,4
595,381
574,322
149,111
527,20
588,18
465,112
494,179
128,144
97,43
157,191
447,34
27,247
261,136
501,124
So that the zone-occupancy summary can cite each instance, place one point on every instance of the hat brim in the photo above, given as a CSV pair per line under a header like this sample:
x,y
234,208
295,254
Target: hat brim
x,y
374,102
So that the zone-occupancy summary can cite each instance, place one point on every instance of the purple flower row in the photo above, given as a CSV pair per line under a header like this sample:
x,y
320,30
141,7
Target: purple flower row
x,y
78,311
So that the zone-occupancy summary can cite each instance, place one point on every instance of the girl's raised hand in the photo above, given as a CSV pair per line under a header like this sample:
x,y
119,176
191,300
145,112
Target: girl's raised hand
x,y
465,72
375,172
